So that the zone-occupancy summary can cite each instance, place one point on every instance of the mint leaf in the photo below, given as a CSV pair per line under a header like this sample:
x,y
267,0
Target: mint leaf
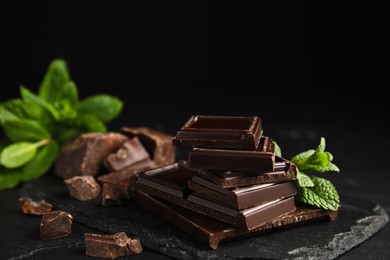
x,y
304,180
51,88
104,107
28,96
300,159
41,162
323,194
278,151
68,100
25,130
17,154
321,146
86,123
9,178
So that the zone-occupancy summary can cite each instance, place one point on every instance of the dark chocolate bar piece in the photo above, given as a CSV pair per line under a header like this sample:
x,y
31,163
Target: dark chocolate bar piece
x,y
212,232
158,144
131,152
111,246
229,179
123,181
84,155
241,198
220,132
266,145
29,206
56,224
232,160
83,187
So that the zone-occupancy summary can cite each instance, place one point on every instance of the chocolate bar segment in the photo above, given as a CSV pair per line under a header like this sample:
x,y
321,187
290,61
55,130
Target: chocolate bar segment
x,y
158,144
56,224
232,160
266,145
212,232
241,198
220,132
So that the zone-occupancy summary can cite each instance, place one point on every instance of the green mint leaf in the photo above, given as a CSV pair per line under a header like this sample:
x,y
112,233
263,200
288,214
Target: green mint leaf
x,y
68,100
300,159
41,162
4,143
9,178
86,123
321,146
327,168
25,130
304,180
56,77
17,154
7,113
323,194
105,107
316,160
30,97
278,150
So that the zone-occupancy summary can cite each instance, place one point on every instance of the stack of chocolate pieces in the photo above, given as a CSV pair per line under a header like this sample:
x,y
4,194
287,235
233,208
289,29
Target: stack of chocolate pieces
x,y
232,185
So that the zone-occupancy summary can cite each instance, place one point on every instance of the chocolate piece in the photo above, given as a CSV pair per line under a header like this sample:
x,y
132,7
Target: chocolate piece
x,y
241,198
56,224
123,181
232,160
212,232
108,197
111,246
158,144
83,187
84,155
266,145
29,206
220,132
239,179
131,152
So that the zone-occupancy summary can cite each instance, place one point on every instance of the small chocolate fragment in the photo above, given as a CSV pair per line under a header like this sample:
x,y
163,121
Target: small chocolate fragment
x,y
123,181
108,197
158,144
111,246
56,224
83,187
85,154
29,206
241,198
266,145
211,232
232,160
220,132
131,152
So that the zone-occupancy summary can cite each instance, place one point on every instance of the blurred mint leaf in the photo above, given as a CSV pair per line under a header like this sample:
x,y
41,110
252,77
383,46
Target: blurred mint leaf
x,y
51,88
17,154
30,97
104,107
25,130
9,178
278,151
321,146
86,123
41,162
68,100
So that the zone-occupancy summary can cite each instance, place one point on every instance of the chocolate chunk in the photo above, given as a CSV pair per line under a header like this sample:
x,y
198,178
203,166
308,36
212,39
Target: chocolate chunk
x,y
85,154
83,187
266,145
123,181
158,144
56,224
220,132
212,232
233,160
111,246
108,197
29,206
131,152
241,198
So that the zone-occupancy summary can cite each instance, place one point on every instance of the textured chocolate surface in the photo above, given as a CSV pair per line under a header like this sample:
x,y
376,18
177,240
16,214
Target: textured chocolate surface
x,y
56,224
232,160
220,132
28,206
108,196
83,187
245,197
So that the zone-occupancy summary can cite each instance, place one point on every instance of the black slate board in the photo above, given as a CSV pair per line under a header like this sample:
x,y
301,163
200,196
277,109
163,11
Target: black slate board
x,y
355,223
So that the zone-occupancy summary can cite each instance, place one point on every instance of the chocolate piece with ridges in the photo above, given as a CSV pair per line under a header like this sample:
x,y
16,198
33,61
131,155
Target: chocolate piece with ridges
x,y
158,144
29,206
131,152
220,132
83,187
241,198
108,197
266,145
123,181
84,155
56,224
232,160
212,232
111,246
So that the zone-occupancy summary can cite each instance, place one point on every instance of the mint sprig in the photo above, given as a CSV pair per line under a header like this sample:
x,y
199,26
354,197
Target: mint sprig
x,y
36,126
311,189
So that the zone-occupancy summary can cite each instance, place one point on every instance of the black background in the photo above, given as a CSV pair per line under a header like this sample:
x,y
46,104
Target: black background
x,y
291,63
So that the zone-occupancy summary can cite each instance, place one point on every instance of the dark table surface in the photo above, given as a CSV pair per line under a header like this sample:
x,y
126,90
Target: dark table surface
x,y
361,155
